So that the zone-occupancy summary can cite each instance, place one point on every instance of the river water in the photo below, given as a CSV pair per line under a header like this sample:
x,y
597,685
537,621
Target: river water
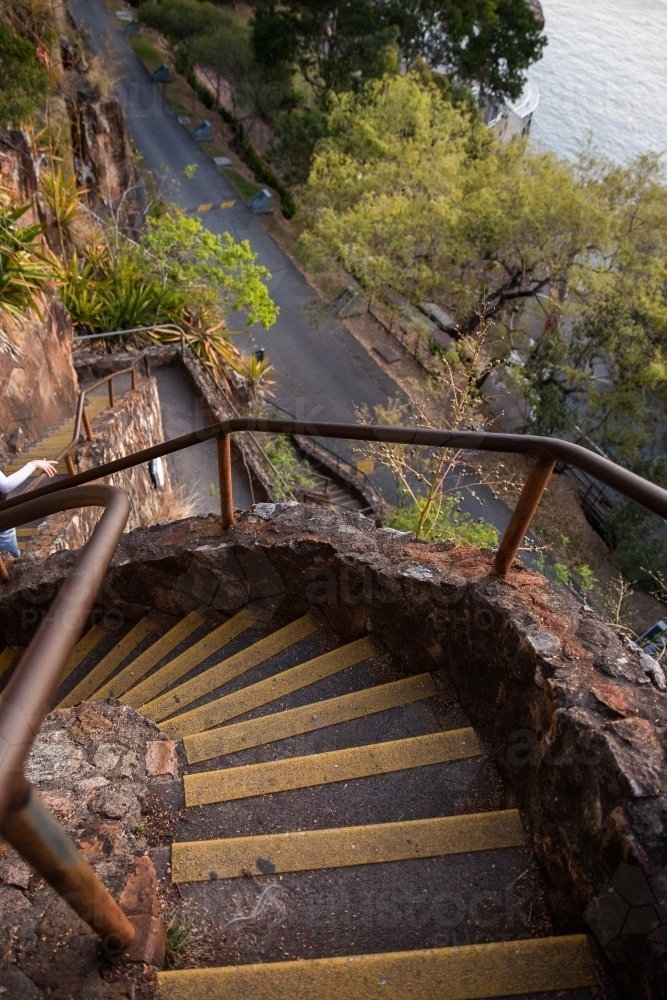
x,y
604,71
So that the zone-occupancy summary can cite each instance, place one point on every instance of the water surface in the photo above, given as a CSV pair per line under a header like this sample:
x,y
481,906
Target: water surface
x,y
604,70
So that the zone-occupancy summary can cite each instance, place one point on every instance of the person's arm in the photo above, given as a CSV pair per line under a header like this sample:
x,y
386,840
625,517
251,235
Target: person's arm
x,y
9,483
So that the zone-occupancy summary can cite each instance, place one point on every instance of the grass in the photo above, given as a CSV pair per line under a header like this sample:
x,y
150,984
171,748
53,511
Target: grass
x,y
145,50
179,940
244,187
181,109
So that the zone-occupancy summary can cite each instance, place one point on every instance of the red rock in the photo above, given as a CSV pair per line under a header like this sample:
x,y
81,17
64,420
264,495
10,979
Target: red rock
x,y
161,758
614,698
140,893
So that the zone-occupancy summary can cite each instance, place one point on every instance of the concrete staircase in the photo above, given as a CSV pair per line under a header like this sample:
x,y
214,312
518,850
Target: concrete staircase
x,y
49,446
339,824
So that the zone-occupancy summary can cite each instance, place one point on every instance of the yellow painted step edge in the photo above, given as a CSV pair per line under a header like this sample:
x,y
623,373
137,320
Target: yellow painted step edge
x,y
263,692
326,768
317,715
130,674
213,678
189,659
108,663
343,847
7,657
467,972
84,646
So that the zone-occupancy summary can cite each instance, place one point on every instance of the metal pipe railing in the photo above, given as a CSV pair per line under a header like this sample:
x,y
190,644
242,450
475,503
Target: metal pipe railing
x,y
24,821
546,450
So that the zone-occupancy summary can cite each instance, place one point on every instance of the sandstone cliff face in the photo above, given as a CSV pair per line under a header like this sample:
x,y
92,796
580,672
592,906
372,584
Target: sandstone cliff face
x,y
38,384
103,158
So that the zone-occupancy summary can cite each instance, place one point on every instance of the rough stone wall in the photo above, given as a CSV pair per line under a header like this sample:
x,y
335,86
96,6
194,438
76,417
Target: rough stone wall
x,y
103,158
577,726
92,767
134,423
38,385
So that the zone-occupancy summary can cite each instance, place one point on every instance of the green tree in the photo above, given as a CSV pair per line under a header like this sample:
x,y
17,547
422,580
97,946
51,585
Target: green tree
x,y
24,82
338,45
24,270
182,19
226,50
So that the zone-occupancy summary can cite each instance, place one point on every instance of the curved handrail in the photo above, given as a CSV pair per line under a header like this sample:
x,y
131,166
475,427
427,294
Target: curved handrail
x,y
648,494
27,699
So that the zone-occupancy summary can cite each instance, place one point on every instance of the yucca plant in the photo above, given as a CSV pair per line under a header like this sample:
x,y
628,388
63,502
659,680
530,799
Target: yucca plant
x,y
81,293
24,269
63,198
257,374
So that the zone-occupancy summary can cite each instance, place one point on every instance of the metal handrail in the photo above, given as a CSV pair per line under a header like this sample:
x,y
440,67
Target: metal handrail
x,y
23,820
547,452
82,416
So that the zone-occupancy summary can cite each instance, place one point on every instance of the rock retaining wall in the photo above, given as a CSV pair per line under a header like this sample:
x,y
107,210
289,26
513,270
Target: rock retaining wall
x,y
576,722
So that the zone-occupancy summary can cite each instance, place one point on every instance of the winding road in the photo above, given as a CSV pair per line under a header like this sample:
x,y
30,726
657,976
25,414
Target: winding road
x,y
322,370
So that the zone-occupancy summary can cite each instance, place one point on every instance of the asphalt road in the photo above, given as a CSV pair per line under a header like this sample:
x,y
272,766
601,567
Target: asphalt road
x,y
322,371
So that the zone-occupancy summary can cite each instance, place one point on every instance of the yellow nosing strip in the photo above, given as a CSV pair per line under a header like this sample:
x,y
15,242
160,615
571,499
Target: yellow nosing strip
x,y
189,659
263,692
7,657
468,972
325,768
108,663
81,650
213,678
343,847
135,670
255,732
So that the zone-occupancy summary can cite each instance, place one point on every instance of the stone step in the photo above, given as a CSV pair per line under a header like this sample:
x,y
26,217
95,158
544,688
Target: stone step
x,y
106,666
317,715
255,695
467,972
190,658
135,670
84,646
342,847
324,768
51,444
213,678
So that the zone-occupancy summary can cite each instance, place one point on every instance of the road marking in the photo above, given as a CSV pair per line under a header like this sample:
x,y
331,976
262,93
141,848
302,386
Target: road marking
x,y
189,659
211,679
81,650
343,847
467,972
108,663
227,204
326,768
206,207
263,692
268,728
143,663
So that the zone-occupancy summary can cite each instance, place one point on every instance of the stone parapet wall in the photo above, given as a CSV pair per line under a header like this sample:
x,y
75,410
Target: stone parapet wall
x,y
133,423
576,725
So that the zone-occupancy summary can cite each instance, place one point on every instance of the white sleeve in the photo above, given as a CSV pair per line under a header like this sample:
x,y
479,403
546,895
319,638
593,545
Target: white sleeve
x,y
9,483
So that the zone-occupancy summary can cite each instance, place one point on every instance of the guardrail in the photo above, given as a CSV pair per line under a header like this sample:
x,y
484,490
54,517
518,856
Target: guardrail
x,y
23,820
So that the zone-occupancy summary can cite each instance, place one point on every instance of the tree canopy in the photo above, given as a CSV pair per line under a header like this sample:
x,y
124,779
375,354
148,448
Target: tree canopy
x,y
414,195
338,46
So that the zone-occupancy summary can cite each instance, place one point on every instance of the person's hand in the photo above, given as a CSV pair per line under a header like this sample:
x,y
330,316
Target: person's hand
x,y
45,466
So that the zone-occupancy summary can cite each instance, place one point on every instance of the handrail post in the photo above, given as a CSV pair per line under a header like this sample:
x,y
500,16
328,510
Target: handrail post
x,y
111,396
531,494
42,842
225,481
4,575
70,465
133,377
86,425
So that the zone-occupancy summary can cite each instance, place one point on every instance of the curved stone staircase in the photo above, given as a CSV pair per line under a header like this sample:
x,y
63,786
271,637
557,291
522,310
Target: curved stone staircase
x,y
340,828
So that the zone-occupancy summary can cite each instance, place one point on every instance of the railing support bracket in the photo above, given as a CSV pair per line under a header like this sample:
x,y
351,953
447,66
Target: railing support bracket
x,y
531,494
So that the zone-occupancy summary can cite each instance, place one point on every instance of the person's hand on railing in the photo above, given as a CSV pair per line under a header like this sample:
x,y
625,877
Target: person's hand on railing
x,y
46,466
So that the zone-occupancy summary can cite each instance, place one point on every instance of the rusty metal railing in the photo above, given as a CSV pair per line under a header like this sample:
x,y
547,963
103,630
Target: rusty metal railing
x,y
28,696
